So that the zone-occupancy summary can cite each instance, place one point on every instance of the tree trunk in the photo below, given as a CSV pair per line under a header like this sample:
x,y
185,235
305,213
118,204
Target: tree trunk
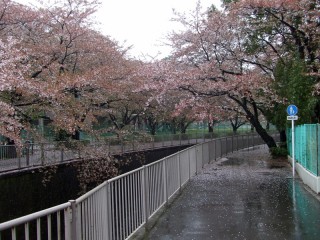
x,y
253,117
76,135
271,143
234,129
153,130
283,136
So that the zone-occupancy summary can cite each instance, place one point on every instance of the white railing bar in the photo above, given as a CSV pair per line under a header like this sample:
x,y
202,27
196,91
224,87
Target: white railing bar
x,y
13,233
49,226
38,229
26,231
59,226
88,194
125,174
33,216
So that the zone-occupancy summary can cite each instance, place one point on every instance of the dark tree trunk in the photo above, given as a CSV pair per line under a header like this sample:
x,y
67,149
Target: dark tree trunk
x,y
76,135
283,136
271,143
253,117
153,130
234,129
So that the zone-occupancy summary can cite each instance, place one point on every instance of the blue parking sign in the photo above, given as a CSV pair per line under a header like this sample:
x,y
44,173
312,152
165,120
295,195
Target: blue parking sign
x,y
292,110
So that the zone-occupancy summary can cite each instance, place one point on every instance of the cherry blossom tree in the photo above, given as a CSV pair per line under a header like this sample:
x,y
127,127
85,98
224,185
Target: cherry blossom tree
x,y
55,65
210,60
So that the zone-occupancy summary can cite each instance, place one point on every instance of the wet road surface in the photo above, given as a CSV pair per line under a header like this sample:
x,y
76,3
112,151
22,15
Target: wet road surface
x,y
241,196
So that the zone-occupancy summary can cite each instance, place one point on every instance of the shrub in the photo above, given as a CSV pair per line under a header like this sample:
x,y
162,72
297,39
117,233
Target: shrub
x,y
279,152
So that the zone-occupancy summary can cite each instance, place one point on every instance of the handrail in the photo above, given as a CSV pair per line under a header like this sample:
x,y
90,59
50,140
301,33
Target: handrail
x,y
33,216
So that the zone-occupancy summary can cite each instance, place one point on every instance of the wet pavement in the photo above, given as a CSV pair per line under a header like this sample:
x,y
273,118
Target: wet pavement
x,y
242,196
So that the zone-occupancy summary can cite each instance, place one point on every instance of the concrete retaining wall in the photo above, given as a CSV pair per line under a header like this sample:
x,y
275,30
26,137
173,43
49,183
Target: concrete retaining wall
x,y
307,177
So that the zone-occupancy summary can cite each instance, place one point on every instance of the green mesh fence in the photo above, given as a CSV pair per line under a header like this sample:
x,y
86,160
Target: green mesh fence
x,y
306,146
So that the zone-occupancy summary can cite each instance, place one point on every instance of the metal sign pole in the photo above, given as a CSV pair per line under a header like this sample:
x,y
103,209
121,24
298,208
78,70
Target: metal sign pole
x,y
292,141
292,111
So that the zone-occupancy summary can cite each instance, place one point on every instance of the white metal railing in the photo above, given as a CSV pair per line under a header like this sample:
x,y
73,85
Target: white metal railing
x,y
119,207
50,153
33,155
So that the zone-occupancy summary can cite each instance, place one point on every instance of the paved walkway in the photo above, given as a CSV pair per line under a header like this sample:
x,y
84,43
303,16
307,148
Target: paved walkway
x,y
242,196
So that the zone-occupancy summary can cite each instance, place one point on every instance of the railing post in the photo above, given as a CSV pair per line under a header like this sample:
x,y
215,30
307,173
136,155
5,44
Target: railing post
x,y
27,155
317,141
42,153
215,149
202,163
145,195
73,220
196,137
189,164
164,175
70,219
232,143
19,162
179,172
195,150
220,147
61,155
108,217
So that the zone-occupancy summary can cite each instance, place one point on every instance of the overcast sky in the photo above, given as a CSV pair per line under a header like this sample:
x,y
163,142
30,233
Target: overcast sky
x,y
144,23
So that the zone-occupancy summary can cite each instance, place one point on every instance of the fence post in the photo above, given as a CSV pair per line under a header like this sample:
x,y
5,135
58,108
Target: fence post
x,y
61,155
179,172
68,223
189,164
42,153
202,163
232,143
317,141
196,137
196,153
145,195
164,175
27,155
73,220
19,162
108,217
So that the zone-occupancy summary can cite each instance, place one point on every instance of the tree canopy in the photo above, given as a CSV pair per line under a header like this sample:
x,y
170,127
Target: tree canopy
x,y
247,61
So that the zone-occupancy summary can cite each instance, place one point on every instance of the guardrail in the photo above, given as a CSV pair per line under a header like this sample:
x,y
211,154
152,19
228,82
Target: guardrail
x,y
121,206
42,154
